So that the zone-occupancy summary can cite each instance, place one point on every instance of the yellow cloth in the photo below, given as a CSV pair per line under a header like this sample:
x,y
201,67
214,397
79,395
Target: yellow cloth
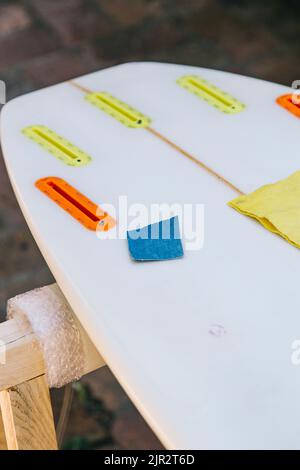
x,y
276,206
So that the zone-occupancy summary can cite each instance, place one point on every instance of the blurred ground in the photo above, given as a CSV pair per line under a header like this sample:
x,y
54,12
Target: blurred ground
x,y
43,42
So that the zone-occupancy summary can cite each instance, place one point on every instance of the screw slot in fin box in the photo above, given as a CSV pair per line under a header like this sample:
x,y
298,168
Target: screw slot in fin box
x,y
89,214
212,94
121,111
57,145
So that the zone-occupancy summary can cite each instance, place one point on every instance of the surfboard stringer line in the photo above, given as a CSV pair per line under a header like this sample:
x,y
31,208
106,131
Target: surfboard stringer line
x,y
171,144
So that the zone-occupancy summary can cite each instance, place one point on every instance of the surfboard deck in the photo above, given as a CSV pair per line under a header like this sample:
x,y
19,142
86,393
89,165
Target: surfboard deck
x,y
202,345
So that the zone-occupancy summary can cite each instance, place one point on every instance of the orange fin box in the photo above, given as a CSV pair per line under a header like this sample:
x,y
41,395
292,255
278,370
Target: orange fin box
x,y
76,204
286,102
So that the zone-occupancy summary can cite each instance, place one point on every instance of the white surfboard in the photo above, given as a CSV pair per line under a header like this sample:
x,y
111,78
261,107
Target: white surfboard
x,y
202,344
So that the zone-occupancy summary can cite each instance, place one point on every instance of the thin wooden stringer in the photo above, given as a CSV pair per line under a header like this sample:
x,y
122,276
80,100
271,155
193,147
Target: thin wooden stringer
x,y
174,146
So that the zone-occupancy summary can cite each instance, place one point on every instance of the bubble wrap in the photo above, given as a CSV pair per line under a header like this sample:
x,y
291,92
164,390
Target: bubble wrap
x,y
53,322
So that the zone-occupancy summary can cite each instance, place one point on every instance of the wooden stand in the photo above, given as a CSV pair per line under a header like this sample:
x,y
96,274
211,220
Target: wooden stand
x,y
26,419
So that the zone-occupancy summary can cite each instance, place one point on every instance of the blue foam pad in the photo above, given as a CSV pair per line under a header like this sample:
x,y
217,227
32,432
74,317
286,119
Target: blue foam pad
x,y
156,242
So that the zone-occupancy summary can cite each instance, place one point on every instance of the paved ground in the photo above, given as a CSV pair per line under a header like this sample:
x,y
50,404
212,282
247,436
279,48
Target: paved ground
x,y
46,41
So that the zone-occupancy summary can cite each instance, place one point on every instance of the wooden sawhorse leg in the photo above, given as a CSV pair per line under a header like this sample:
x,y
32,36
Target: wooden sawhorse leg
x,y
27,418
3,444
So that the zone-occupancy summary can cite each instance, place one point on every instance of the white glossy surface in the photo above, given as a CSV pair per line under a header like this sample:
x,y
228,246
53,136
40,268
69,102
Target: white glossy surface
x,y
152,321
